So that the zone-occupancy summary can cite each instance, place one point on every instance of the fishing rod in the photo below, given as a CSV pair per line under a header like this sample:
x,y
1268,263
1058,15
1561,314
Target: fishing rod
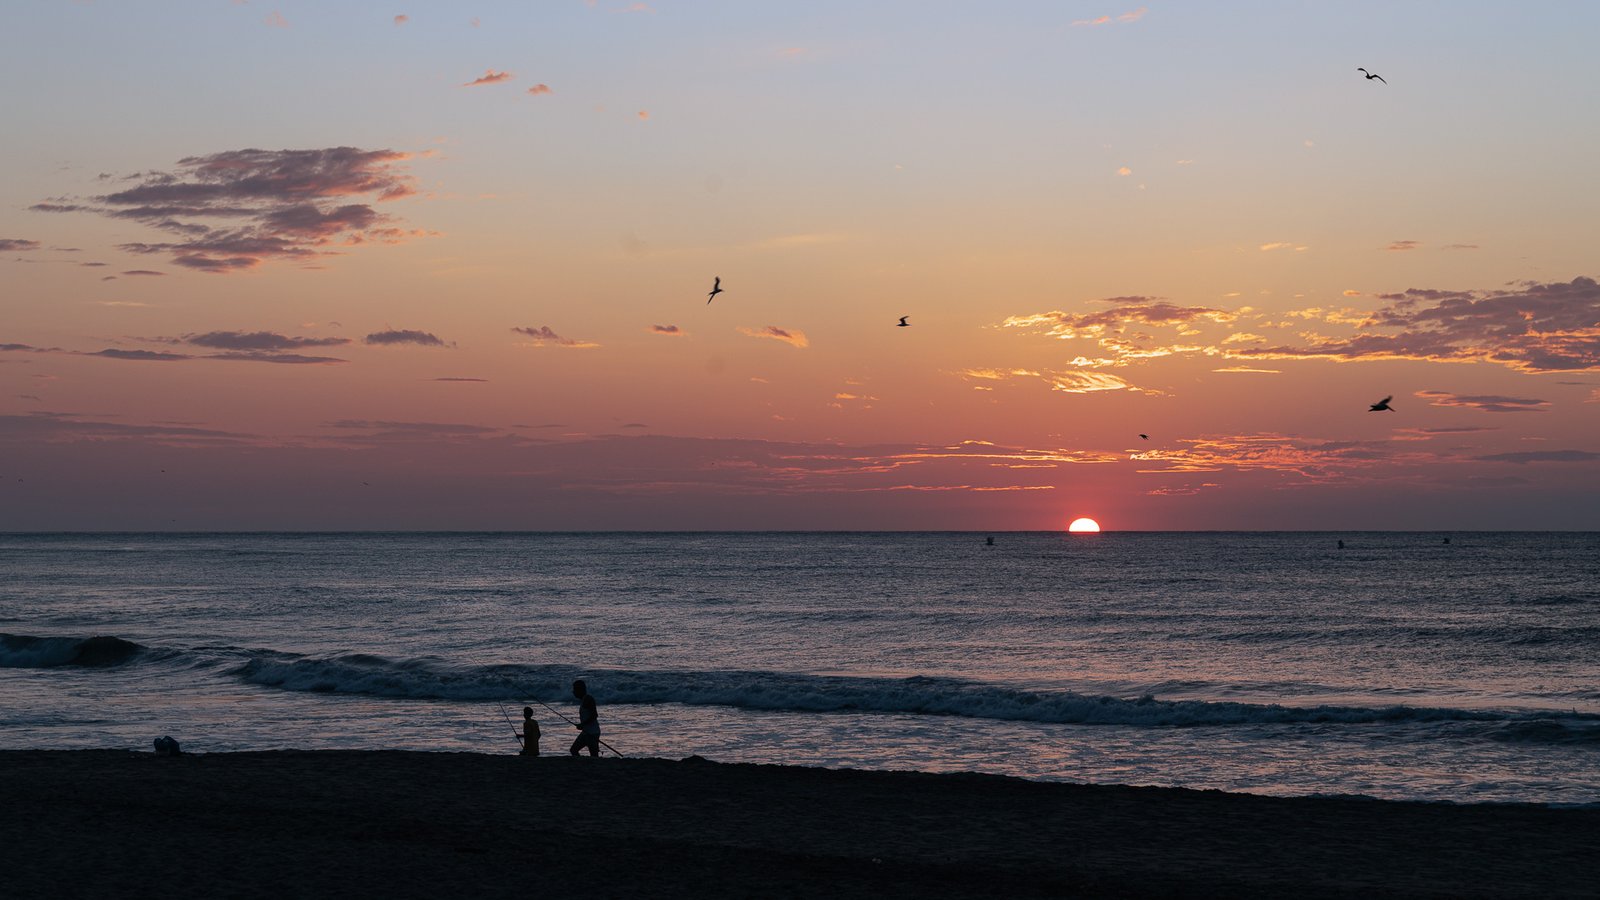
x,y
507,717
575,725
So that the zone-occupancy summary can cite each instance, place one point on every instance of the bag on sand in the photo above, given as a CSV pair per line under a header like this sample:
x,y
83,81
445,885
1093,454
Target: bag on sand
x,y
166,746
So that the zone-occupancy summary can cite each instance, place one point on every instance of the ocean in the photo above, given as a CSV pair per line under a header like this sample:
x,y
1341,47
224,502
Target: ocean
x,y
1403,666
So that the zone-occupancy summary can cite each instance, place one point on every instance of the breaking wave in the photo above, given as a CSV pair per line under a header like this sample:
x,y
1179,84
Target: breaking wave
x,y
21,651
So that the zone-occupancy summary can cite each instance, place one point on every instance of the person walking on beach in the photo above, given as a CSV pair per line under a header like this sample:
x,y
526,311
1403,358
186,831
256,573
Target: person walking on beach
x,y
588,723
530,732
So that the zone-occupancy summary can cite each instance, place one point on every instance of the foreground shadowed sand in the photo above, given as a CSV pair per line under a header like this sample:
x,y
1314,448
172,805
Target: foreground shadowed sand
x,y
398,824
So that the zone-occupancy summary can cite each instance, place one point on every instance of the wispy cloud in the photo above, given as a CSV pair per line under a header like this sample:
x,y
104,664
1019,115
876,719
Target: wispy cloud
x,y
257,340
1126,18
1533,456
401,20
12,245
272,204
145,272
1532,328
1484,402
391,337
473,380
790,336
670,330
544,335
1401,246
540,88
275,19
1284,245
490,76
1246,370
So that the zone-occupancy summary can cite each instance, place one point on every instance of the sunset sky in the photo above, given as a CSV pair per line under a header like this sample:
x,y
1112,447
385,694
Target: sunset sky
x,y
292,265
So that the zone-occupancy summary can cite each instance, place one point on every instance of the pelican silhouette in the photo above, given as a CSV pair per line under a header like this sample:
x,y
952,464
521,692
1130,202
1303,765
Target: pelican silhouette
x,y
1382,405
1369,75
903,322
716,288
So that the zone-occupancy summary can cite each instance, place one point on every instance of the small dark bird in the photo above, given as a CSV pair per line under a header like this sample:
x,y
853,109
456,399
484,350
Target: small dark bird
x,y
1369,75
1144,437
903,322
716,288
1382,405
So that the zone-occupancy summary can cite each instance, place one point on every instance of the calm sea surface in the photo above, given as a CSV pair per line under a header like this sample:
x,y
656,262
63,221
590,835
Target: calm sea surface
x,y
1401,666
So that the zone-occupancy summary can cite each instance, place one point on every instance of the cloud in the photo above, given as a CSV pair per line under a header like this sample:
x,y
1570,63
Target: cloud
x,y
475,380
149,272
12,245
230,211
258,340
294,359
403,336
644,115
540,88
1246,370
545,335
1459,247
401,20
1124,171
792,337
1127,18
1284,245
1087,382
1532,328
275,19
489,76
1486,403
141,355
1525,457
1401,246
637,8
54,428
1351,293
671,330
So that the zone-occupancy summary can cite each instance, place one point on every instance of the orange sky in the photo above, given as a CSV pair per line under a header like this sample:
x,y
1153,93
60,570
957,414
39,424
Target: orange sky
x,y
388,268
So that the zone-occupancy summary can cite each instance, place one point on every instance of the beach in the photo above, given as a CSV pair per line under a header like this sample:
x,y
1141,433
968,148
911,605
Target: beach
x,y
414,824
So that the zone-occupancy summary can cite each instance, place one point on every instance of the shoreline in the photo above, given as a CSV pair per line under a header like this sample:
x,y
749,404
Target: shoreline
x,y
414,824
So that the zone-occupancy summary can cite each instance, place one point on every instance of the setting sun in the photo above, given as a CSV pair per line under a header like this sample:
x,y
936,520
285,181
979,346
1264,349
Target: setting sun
x,y
1084,526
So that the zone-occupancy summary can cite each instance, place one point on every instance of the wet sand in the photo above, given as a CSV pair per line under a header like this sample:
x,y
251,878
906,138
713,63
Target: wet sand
x,y
402,824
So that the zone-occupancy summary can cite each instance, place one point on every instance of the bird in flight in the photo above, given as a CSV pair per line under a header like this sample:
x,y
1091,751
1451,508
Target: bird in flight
x,y
716,288
1369,75
903,322
1144,437
1382,405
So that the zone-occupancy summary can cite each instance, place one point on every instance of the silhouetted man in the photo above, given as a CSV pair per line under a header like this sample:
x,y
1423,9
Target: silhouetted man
x,y
588,723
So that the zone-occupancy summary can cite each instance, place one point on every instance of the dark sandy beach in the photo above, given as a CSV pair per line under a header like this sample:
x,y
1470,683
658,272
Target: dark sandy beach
x,y
401,824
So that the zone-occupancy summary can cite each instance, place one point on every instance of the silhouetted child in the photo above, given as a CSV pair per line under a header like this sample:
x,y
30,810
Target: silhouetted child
x,y
530,732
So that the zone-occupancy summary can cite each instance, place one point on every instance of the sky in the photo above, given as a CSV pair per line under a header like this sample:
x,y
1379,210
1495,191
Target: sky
x,y
311,266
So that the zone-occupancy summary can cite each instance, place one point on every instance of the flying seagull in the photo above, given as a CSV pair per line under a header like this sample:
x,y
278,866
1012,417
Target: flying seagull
x,y
1382,405
903,322
1369,75
716,288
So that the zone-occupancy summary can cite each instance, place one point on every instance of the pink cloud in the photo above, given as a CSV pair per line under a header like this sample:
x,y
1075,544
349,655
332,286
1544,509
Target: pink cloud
x,y
401,20
792,337
540,88
545,335
275,19
489,76
1485,403
12,245
671,330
